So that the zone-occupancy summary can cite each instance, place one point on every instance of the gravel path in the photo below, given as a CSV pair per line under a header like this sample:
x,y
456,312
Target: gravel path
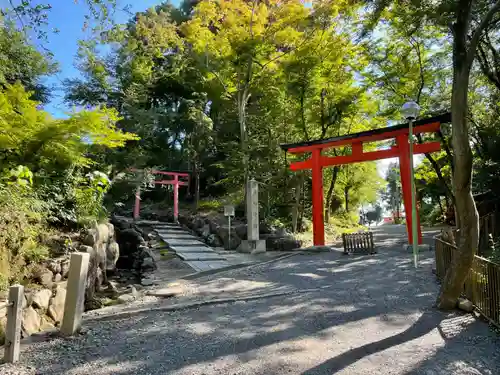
x,y
357,315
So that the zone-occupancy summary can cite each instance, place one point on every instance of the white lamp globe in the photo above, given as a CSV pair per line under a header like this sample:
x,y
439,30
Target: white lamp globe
x,y
410,110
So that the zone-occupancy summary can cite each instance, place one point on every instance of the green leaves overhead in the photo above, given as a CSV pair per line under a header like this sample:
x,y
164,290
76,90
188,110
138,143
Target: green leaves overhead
x,y
31,137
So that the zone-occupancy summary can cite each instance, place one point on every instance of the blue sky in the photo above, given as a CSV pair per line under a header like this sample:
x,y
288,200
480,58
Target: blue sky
x,y
68,18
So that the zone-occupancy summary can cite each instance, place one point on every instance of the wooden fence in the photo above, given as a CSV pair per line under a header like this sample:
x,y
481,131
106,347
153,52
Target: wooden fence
x,y
73,307
358,242
482,285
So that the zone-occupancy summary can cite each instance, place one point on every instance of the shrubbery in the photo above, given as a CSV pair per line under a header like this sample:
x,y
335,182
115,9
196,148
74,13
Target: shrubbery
x,y
48,176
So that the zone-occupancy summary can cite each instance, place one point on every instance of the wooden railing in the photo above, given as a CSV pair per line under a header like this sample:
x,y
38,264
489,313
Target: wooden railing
x,y
482,286
358,242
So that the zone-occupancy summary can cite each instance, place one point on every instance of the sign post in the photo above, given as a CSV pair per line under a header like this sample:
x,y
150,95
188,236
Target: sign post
x,y
229,212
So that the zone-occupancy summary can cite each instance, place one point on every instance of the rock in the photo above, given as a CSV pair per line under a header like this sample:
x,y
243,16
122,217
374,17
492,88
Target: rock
x,y
54,266
3,327
134,291
148,264
146,282
265,228
241,230
56,305
129,241
90,237
112,289
120,224
99,278
65,268
86,249
205,231
3,310
228,243
198,222
31,321
57,277
316,249
101,250
465,305
112,255
214,226
126,298
44,277
102,233
46,324
111,231
213,241
278,243
41,299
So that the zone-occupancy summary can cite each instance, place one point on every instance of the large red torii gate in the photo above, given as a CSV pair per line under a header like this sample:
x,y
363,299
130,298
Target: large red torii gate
x,y
401,150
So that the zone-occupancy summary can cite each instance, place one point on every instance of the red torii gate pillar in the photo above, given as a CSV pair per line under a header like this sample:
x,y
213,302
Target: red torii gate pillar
x,y
175,181
400,133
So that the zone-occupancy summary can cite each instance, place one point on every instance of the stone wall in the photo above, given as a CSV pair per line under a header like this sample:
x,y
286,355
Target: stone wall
x,y
135,253
44,301
214,231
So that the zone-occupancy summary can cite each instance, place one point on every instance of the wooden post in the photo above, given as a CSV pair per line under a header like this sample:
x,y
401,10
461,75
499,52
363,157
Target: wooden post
x,y
405,174
137,205
176,198
75,295
14,320
372,245
317,199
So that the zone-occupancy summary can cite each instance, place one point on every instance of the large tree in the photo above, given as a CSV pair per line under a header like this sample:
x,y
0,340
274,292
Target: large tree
x,y
466,22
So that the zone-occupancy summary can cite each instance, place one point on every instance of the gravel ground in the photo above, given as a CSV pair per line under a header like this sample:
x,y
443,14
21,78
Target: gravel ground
x,y
361,315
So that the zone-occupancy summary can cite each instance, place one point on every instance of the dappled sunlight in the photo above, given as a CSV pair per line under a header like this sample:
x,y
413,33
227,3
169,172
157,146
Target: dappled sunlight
x,y
310,275
343,315
110,367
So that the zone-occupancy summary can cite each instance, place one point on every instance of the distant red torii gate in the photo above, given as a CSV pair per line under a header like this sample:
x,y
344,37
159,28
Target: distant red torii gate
x,y
175,181
401,150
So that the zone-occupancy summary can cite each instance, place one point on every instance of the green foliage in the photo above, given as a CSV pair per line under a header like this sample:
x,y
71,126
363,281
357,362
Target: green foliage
x,y
22,63
22,216
31,137
89,198
210,205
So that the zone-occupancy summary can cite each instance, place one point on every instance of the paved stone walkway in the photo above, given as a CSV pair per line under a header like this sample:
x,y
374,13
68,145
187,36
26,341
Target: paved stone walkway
x,y
191,250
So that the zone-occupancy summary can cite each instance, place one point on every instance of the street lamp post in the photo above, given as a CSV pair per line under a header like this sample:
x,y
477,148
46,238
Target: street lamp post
x,y
410,112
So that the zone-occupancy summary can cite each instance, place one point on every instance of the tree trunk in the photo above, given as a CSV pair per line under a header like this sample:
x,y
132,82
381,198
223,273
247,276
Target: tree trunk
x,y
329,194
296,207
242,104
196,185
465,207
346,195
441,209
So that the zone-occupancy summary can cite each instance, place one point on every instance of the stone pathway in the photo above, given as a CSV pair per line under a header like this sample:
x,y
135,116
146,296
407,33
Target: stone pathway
x,y
187,247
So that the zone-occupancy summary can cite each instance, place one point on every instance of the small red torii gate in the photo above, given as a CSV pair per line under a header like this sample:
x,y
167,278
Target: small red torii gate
x,y
176,181
401,150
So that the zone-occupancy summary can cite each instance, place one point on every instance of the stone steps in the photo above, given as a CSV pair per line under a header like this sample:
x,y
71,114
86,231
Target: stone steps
x,y
189,248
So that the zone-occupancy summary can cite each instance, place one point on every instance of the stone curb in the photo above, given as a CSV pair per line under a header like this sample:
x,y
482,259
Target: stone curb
x,y
192,305
196,275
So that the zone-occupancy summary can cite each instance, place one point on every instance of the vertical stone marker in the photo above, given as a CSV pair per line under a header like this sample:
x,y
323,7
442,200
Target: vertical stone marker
x,y
75,293
253,244
14,319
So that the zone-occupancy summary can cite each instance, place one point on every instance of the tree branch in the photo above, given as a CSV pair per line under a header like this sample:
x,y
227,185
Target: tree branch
x,y
421,68
476,36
